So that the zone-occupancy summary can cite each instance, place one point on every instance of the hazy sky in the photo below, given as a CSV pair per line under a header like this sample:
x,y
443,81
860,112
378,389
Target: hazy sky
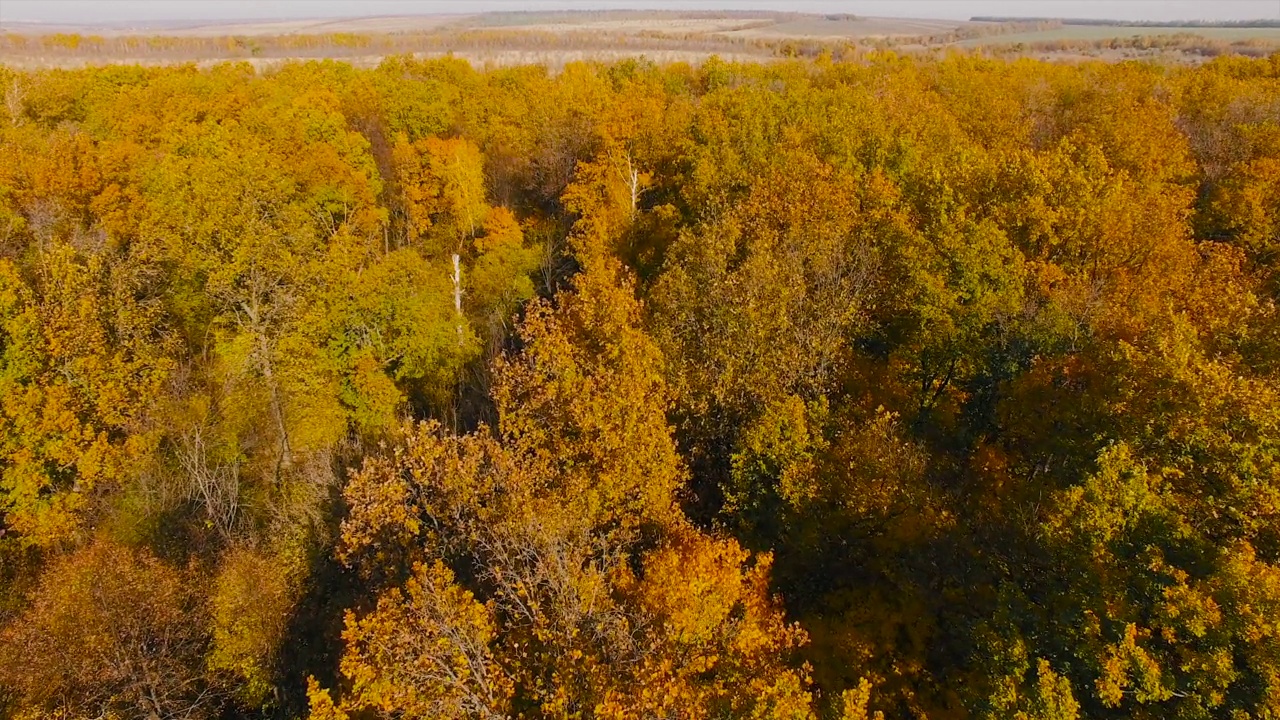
x,y
101,11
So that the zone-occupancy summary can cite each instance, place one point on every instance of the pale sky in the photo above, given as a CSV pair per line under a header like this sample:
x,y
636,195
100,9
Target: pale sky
x,y
132,11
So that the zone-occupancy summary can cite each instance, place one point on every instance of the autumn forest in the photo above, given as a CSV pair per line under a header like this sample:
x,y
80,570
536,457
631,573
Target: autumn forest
x,y
924,388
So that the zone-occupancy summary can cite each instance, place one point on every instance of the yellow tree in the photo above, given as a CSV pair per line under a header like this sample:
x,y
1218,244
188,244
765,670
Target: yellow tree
x,y
112,632
80,359
554,518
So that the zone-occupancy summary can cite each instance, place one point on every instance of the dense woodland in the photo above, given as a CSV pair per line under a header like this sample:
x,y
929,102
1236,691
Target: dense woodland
x,y
939,389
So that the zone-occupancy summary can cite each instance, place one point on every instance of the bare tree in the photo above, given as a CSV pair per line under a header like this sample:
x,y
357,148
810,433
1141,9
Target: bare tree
x,y
259,302
215,485
630,176
14,102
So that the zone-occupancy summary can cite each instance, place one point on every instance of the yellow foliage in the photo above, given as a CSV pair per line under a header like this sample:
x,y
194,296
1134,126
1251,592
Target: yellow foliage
x,y
251,603
972,365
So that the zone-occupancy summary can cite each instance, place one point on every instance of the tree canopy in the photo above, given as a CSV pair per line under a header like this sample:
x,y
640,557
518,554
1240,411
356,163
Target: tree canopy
x,y
892,387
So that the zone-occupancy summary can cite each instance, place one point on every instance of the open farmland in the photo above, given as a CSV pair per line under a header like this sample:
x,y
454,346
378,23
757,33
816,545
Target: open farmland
x,y
557,38
730,25
258,28
1095,33
845,28
653,25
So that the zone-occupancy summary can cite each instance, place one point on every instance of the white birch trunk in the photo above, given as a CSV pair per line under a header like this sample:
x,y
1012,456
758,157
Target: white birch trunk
x,y
457,293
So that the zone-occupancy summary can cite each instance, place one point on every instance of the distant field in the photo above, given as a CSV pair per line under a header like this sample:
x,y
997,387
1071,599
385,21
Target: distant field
x,y
821,27
565,19
555,38
675,26
730,24
744,25
1096,33
383,24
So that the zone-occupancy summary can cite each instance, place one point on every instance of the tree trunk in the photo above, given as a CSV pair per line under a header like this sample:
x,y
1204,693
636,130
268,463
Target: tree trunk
x,y
457,294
